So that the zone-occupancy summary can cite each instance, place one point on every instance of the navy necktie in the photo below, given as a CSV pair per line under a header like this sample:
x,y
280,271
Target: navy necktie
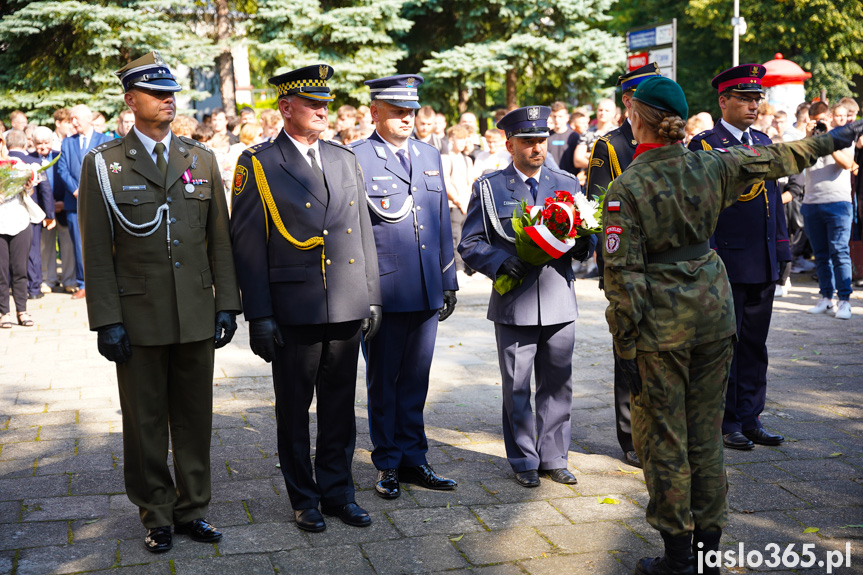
x,y
747,139
404,160
533,187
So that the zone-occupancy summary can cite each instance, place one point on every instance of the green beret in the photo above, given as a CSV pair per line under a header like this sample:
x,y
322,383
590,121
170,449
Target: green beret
x,y
664,94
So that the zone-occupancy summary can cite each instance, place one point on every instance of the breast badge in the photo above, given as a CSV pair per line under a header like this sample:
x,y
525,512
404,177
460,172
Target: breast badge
x,y
385,203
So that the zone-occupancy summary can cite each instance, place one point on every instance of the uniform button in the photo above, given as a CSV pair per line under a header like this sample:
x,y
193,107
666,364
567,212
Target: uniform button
x,y
308,205
121,290
419,208
415,188
176,265
326,233
202,195
422,227
169,200
176,242
349,230
352,203
329,262
350,261
424,246
173,220
135,201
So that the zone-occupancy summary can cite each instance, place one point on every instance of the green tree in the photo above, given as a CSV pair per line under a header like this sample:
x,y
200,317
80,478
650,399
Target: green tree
x,y
517,51
356,37
61,53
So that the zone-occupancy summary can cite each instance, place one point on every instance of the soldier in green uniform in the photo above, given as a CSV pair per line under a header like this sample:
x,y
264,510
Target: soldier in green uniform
x,y
671,313
162,295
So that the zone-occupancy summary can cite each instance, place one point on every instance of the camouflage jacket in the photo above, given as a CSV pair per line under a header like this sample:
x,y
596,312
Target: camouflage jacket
x,y
665,204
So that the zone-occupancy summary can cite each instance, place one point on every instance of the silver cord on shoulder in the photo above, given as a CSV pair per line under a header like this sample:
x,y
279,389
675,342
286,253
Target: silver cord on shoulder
x,y
488,204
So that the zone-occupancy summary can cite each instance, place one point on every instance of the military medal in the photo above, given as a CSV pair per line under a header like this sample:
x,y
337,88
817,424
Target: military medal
x,y
187,177
189,188
116,168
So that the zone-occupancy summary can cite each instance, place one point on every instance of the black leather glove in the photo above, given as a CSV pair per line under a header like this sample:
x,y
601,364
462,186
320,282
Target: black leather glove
x,y
581,249
781,265
371,325
449,301
264,336
515,267
226,321
113,343
628,370
845,136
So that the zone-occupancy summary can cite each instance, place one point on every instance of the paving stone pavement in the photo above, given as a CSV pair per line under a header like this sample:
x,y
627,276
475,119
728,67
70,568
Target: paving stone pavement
x,y
63,507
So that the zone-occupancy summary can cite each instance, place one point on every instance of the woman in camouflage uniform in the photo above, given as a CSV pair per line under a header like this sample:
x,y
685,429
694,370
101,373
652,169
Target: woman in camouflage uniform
x,y
671,313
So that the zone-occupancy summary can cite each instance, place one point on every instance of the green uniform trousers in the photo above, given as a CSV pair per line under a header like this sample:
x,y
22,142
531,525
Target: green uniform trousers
x,y
168,389
677,431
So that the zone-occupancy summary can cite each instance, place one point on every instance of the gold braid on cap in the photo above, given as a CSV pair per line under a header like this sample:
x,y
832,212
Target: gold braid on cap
x,y
267,196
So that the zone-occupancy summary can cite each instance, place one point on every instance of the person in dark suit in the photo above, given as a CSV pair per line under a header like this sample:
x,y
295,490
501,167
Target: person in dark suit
x,y
16,141
533,323
752,240
611,154
407,200
162,295
308,273
72,152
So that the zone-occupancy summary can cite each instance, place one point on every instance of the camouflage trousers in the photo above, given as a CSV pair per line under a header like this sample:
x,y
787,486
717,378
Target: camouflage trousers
x,y
677,432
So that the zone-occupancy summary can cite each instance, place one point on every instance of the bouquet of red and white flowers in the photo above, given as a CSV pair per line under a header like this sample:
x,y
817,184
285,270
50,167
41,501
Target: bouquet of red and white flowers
x,y
544,233
18,177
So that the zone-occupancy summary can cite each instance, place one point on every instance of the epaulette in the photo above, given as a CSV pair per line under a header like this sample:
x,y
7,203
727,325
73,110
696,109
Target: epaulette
x,y
488,175
106,145
338,145
560,172
760,133
194,142
252,150
415,141
702,135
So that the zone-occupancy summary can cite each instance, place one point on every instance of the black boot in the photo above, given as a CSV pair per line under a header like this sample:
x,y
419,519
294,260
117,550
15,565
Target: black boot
x,y
677,560
702,542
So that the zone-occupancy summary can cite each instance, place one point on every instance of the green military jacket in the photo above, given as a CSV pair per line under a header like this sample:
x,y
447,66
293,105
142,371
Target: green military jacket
x,y
667,202
163,289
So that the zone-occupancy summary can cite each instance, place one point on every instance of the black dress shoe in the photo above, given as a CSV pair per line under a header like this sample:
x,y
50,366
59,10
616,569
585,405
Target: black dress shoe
x,y
388,484
631,457
736,440
39,295
529,478
199,530
309,520
425,476
761,436
351,513
662,566
561,475
158,539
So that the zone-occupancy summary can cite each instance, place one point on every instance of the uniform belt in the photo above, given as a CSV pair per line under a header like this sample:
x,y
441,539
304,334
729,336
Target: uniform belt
x,y
681,254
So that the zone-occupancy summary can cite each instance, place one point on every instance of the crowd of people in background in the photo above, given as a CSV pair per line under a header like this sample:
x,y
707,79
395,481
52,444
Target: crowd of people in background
x,y
821,205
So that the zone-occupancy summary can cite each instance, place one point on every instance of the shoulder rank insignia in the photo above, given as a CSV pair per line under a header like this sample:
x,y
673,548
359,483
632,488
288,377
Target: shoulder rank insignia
x,y
241,176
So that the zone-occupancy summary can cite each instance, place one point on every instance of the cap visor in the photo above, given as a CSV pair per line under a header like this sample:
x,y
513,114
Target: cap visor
x,y
410,104
158,85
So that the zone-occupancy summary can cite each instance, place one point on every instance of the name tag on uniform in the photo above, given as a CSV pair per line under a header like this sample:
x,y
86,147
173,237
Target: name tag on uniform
x,y
432,173
134,188
557,142
510,203
378,178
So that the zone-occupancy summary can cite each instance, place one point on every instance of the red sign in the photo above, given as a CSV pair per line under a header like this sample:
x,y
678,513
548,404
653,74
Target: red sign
x,y
635,61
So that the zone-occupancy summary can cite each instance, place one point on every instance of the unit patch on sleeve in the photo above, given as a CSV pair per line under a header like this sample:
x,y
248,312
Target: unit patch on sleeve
x,y
241,176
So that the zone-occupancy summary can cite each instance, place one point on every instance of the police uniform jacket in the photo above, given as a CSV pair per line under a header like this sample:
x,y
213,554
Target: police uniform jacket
x,y
163,292
545,296
611,154
415,256
751,236
276,196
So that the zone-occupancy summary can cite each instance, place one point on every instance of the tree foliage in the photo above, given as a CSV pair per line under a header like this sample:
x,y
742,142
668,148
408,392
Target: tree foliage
x,y
61,53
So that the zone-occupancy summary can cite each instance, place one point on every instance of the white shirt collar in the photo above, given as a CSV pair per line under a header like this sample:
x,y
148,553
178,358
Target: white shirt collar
x,y
736,132
150,144
304,149
393,148
524,177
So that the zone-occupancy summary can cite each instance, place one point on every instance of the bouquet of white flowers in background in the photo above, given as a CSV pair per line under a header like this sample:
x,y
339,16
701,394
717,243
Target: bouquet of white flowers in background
x,y
19,177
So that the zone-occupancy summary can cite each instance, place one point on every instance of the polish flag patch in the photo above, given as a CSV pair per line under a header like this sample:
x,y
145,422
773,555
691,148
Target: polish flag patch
x,y
613,206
